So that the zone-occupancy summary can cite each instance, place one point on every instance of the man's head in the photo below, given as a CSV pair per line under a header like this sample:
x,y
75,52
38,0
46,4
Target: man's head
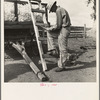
x,y
52,7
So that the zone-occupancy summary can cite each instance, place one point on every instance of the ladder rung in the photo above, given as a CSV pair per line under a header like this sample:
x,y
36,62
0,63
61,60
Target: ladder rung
x,y
76,31
40,24
39,11
36,0
20,2
36,3
47,56
42,38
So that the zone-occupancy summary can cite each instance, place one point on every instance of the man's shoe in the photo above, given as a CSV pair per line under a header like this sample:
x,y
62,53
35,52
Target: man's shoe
x,y
59,69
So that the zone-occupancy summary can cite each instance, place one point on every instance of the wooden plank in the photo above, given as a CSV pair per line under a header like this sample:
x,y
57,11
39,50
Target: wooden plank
x,y
17,1
23,23
36,0
9,23
38,11
75,36
77,32
18,26
17,37
77,26
21,50
42,38
16,22
40,24
25,2
12,0
45,4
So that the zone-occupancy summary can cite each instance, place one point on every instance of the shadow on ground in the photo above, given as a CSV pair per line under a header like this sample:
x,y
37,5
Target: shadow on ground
x,y
12,54
81,65
12,71
16,71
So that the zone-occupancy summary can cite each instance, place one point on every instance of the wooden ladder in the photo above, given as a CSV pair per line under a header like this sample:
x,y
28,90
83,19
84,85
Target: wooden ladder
x,y
36,30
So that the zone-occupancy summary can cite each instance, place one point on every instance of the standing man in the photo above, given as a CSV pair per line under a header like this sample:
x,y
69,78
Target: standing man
x,y
61,30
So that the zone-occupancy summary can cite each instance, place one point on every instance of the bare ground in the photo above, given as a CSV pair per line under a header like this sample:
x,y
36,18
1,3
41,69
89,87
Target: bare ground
x,y
16,69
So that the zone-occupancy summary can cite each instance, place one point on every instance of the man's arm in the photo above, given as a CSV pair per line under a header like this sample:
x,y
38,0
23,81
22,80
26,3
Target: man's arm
x,y
58,22
59,19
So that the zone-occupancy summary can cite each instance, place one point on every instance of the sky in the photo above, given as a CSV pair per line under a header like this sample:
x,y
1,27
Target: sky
x,y
77,9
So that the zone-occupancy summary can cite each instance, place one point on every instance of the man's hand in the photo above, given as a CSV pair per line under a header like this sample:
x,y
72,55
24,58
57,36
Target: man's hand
x,y
49,29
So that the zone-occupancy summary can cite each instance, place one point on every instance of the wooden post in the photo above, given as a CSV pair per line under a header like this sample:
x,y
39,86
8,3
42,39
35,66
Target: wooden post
x,y
16,10
84,30
46,14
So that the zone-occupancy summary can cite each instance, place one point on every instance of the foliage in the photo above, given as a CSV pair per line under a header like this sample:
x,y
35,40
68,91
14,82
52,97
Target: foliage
x,y
93,15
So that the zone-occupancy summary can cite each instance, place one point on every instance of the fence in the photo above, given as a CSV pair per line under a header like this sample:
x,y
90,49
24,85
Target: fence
x,y
78,32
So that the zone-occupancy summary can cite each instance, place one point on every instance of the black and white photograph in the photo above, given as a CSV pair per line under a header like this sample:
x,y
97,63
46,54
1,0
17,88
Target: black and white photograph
x,y
50,41
49,49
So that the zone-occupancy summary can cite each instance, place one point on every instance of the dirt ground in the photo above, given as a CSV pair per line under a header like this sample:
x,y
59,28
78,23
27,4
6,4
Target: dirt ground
x,y
84,70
